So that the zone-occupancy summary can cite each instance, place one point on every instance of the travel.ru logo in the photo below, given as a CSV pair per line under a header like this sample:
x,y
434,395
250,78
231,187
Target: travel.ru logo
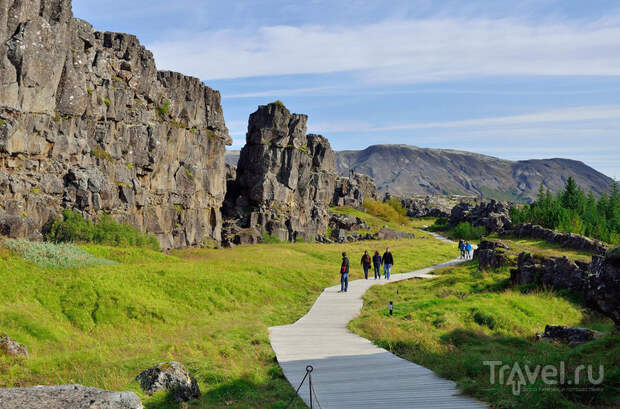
x,y
518,376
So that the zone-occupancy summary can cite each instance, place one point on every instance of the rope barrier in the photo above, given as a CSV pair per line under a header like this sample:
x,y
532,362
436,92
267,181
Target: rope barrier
x,y
311,391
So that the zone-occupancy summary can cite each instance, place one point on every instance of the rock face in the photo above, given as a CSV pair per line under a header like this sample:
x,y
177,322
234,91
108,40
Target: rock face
x,y
598,281
285,181
172,376
554,272
493,215
417,207
351,191
566,240
604,286
346,222
490,254
11,347
67,397
87,122
405,170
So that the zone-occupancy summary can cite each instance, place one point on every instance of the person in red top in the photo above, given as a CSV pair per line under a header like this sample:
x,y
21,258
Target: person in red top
x,y
344,273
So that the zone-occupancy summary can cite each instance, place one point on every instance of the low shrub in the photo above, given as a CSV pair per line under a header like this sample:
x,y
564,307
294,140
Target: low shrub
x,y
73,227
269,238
466,231
53,255
441,224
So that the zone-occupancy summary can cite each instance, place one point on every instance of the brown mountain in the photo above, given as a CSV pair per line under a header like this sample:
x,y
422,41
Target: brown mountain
x,y
410,170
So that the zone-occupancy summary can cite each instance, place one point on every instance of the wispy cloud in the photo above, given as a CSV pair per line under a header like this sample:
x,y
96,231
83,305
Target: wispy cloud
x,y
575,114
283,92
401,51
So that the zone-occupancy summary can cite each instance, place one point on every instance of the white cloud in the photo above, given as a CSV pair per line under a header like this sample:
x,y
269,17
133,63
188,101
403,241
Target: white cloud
x,y
282,92
400,51
574,114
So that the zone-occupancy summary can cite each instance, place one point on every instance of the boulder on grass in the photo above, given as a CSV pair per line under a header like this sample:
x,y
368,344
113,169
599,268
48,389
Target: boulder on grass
x,y
571,335
11,347
169,376
67,397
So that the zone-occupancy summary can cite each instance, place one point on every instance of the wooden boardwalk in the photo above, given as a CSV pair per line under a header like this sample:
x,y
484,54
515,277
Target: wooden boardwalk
x,y
350,371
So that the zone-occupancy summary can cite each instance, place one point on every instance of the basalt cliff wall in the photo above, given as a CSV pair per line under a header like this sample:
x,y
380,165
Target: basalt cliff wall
x,y
88,122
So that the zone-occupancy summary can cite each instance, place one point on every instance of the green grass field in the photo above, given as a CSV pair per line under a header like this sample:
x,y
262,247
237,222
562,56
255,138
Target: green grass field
x,y
209,309
453,323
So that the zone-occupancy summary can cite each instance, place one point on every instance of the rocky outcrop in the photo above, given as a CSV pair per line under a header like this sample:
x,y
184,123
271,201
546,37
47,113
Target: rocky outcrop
x,y
67,397
169,376
491,255
284,181
346,222
351,191
87,122
425,208
493,215
566,240
598,281
573,336
604,285
11,347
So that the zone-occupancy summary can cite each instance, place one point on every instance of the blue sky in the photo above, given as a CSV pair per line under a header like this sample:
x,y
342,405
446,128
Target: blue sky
x,y
518,80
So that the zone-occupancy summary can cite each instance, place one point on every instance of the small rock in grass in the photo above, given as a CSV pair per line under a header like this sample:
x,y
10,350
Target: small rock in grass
x,y
572,335
169,376
11,347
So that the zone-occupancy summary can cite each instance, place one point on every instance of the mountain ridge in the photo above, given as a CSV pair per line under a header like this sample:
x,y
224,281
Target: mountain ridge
x,y
408,170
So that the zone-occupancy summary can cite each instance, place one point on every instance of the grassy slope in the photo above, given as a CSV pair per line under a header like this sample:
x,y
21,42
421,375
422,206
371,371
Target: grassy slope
x,y
375,223
453,323
209,309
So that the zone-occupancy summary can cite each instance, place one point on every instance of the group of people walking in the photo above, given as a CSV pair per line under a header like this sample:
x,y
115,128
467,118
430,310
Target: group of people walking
x,y
465,248
387,260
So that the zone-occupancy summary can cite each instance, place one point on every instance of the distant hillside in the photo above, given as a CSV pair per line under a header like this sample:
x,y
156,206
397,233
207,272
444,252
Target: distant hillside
x,y
405,170
232,157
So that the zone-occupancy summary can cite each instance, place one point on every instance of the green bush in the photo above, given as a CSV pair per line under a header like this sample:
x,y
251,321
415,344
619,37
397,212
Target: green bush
x,y
53,255
72,227
164,108
441,224
466,231
387,211
268,238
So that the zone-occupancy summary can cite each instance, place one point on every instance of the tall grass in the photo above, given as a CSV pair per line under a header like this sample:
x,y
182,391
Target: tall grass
x,y
453,323
73,227
390,211
208,308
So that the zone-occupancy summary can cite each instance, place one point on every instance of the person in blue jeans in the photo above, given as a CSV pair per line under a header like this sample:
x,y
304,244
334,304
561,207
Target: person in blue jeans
x,y
388,262
366,263
376,262
468,248
344,273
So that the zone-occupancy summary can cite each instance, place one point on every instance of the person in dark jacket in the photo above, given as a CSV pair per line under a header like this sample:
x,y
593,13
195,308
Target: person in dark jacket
x,y
366,262
344,273
388,262
461,248
376,262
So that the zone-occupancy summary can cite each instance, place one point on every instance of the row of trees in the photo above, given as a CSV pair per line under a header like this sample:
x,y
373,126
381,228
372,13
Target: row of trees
x,y
574,211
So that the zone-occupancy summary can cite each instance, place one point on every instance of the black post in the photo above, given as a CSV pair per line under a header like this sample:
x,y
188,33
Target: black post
x,y
391,308
309,370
